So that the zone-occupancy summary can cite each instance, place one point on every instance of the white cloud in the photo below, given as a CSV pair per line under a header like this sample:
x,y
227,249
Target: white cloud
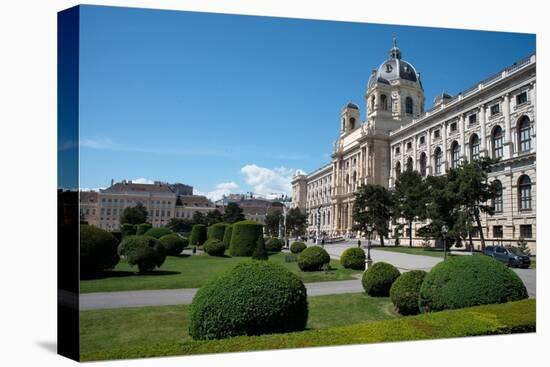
x,y
143,181
224,188
268,182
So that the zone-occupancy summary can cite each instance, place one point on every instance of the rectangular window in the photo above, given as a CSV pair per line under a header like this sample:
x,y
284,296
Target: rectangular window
x,y
453,126
497,232
409,146
397,150
475,232
521,98
168,213
422,140
495,109
437,134
156,213
526,231
472,119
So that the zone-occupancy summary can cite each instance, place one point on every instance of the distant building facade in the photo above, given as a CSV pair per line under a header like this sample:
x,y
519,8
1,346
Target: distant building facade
x,y
495,118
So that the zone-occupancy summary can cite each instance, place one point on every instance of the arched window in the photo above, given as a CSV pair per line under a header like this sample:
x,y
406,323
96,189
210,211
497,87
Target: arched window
x,y
397,170
438,160
497,140
409,164
497,202
352,123
524,192
384,102
474,147
524,132
455,154
408,106
423,164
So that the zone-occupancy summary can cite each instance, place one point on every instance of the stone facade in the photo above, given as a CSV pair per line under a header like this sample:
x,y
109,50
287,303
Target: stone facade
x,y
496,118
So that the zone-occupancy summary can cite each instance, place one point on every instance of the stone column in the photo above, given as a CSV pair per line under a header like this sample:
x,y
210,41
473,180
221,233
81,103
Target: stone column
x,y
462,138
482,136
444,143
415,157
507,127
392,178
429,152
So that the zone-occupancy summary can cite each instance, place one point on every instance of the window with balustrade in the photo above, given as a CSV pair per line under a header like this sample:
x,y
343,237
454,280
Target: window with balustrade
x,y
524,192
524,131
498,143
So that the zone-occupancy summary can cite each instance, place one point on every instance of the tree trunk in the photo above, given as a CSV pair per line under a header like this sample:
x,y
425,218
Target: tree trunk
x,y
478,221
470,240
410,234
382,240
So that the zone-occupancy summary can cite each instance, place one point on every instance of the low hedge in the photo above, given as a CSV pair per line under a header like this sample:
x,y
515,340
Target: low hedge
x,y
313,258
378,279
274,245
128,229
227,236
507,318
214,247
142,228
253,298
353,258
244,236
144,251
98,250
173,243
158,232
198,235
405,291
464,281
216,231
296,247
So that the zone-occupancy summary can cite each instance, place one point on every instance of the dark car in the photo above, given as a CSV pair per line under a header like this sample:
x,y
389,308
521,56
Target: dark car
x,y
511,256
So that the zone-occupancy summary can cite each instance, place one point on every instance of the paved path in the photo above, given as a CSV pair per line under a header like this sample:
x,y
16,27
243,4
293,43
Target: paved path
x,y
162,297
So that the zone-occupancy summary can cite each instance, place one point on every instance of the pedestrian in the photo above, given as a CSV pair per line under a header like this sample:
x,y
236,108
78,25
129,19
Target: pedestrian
x,y
359,243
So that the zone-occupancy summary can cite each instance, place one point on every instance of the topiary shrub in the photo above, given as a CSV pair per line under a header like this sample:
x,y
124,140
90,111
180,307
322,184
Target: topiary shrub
x,y
216,231
214,247
173,243
158,232
313,258
274,245
142,228
260,252
198,235
464,281
297,247
244,237
227,236
353,258
378,279
405,291
98,250
253,298
128,229
144,251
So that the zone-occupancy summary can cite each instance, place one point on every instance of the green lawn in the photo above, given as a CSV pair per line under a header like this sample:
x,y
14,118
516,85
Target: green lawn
x,y
161,331
194,271
412,250
103,330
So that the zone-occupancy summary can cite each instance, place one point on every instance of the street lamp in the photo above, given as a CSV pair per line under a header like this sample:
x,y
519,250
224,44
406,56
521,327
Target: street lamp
x,y
369,231
444,232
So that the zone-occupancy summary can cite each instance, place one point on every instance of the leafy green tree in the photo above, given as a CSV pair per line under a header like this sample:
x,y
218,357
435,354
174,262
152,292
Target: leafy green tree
x,y
272,220
410,198
134,214
179,225
213,217
260,253
199,218
296,222
373,205
233,213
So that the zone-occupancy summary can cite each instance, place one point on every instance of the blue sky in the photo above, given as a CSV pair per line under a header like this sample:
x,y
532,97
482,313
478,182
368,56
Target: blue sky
x,y
237,103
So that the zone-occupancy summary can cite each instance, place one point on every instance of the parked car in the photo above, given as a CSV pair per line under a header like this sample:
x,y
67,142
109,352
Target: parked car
x,y
511,256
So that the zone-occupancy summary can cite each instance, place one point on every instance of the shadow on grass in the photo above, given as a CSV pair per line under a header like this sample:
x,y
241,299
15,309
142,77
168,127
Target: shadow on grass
x,y
122,273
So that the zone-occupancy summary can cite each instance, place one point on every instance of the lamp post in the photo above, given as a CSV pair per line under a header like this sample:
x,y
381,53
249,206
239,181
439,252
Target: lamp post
x,y
369,231
318,219
444,232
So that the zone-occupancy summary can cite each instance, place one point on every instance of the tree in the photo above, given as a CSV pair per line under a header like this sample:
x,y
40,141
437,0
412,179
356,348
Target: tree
x,y
410,198
260,253
373,205
134,214
272,220
179,225
198,218
213,217
296,222
233,213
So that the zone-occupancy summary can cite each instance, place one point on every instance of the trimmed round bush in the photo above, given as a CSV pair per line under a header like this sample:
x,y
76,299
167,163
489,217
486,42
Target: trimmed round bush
x,y
244,237
353,258
128,229
378,279
198,235
173,243
274,245
158,232
296,247
216,231
142,228
313,258
227,235
98,250
253,298
405,291
214,247
464,281
144,251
